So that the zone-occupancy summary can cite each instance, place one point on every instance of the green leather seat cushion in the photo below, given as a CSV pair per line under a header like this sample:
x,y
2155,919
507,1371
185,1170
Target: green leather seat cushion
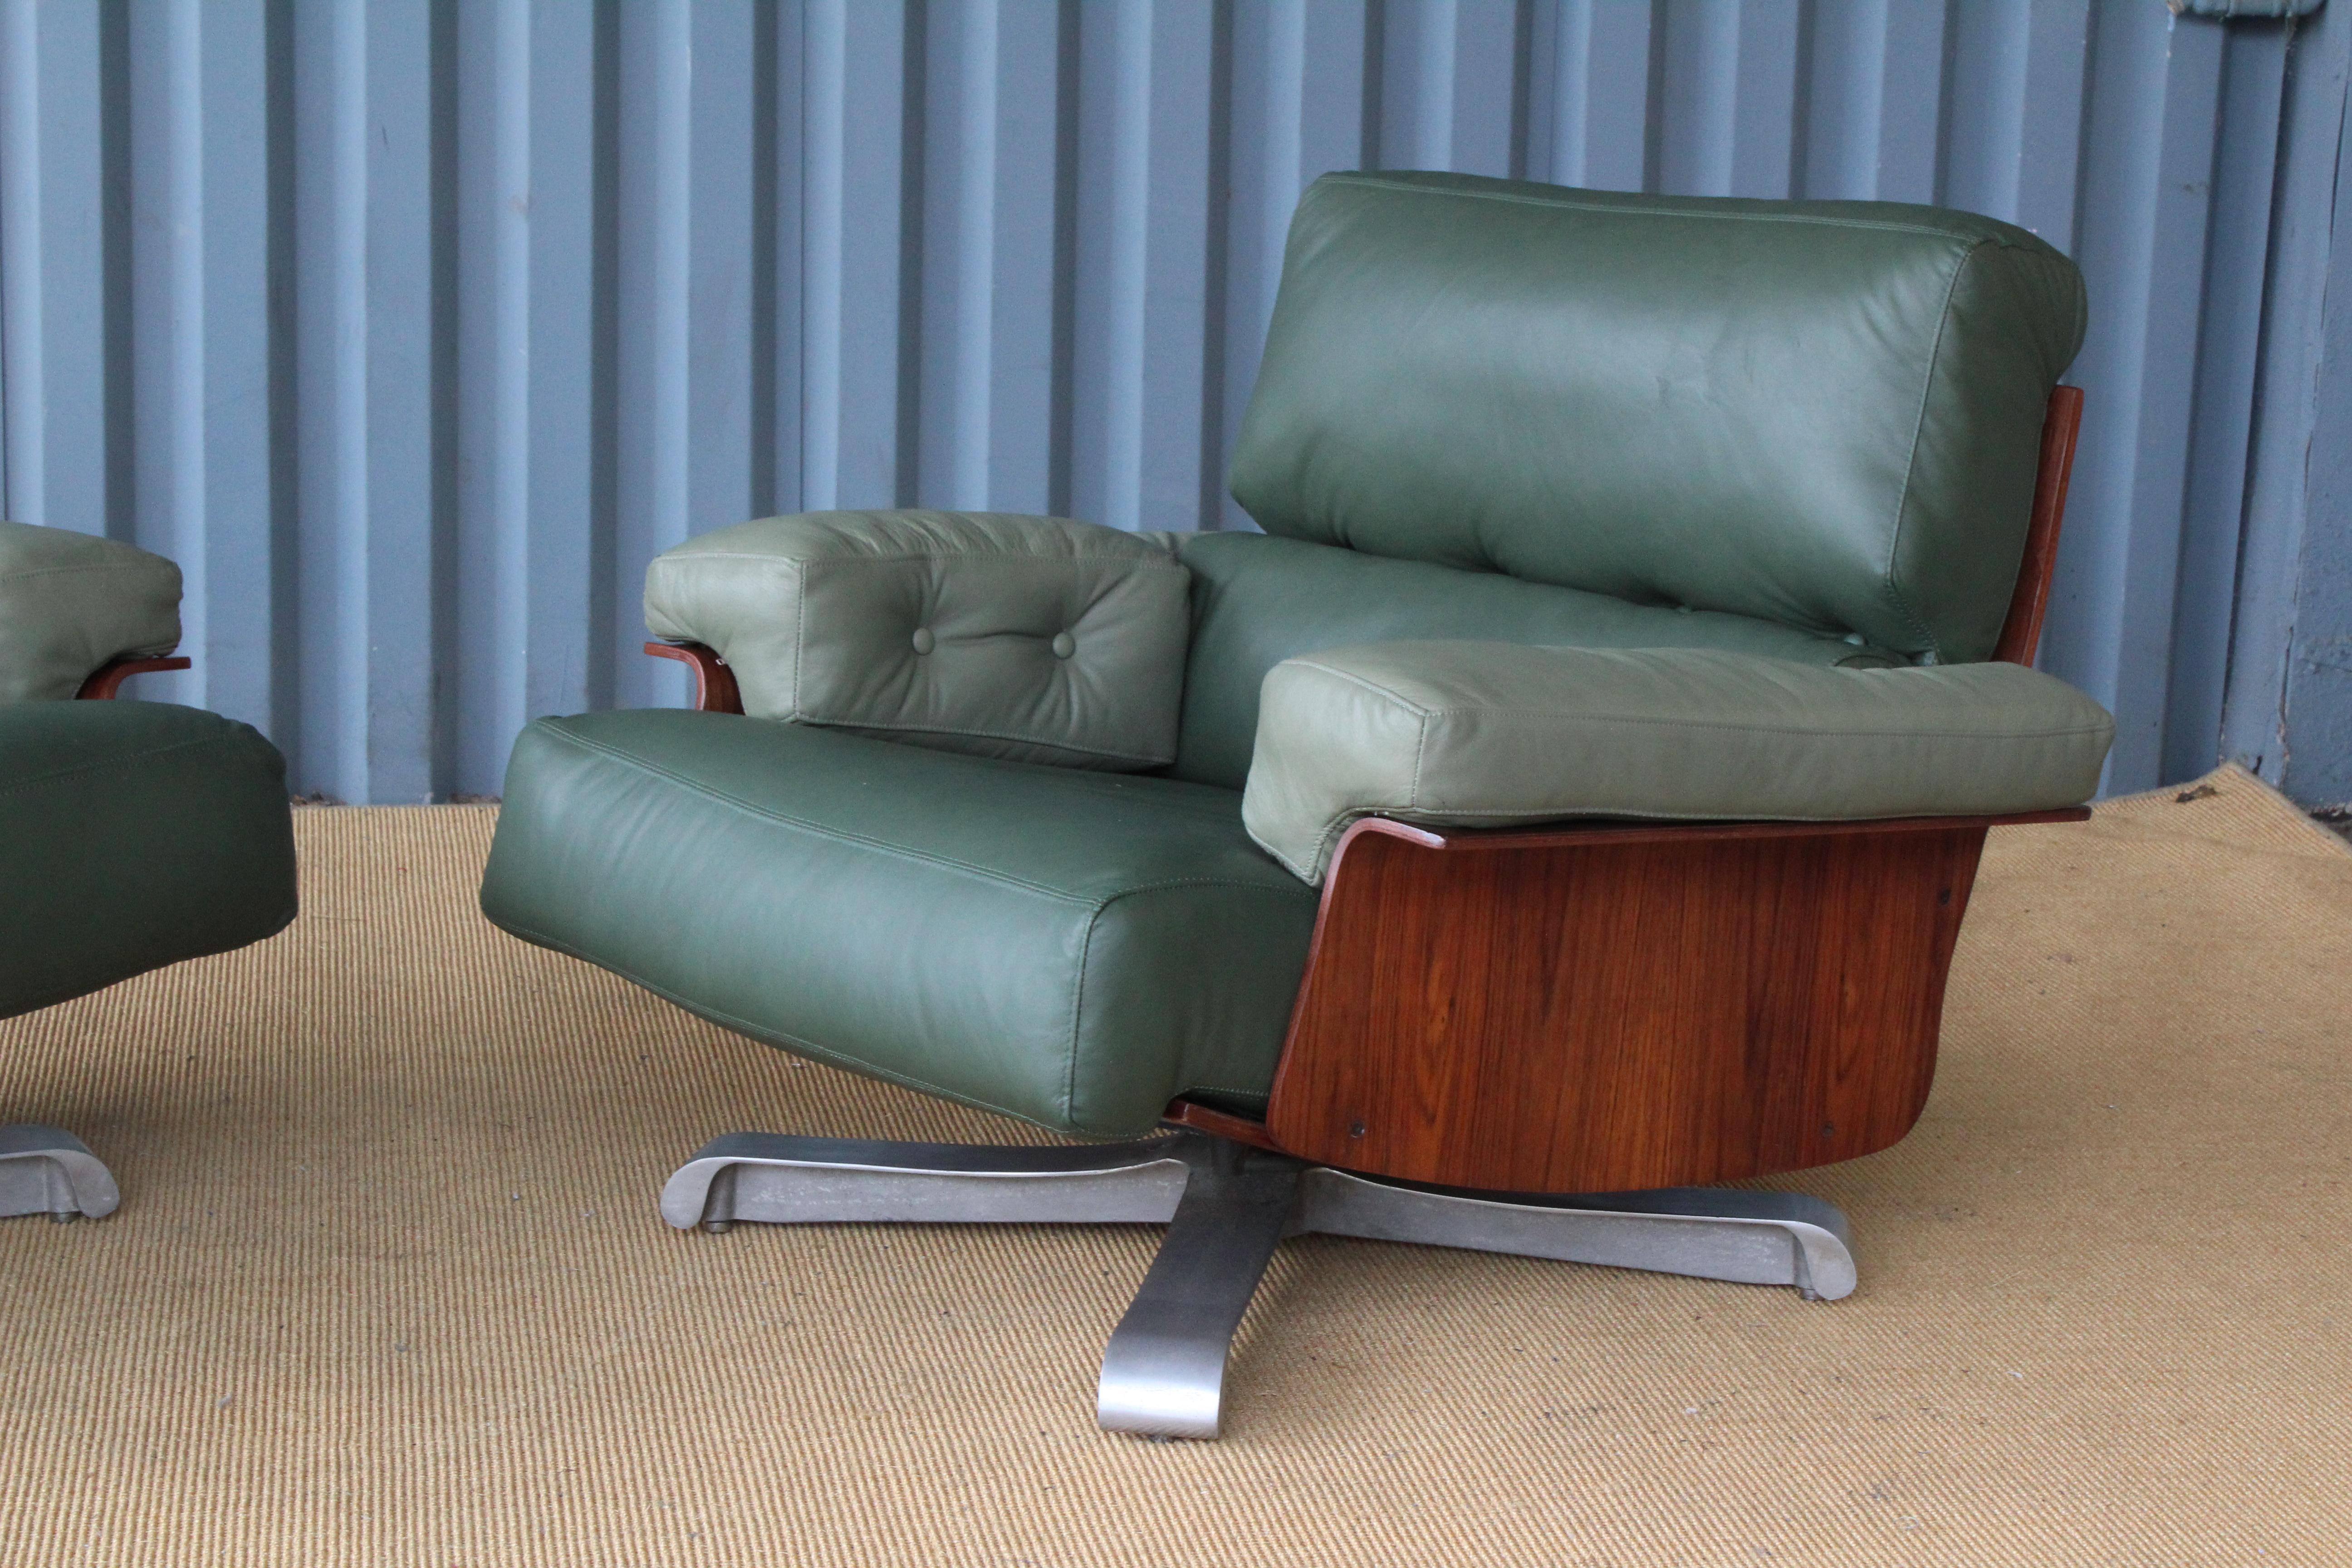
x,y
1258,600
132,835
1491,734
1071,947
71,601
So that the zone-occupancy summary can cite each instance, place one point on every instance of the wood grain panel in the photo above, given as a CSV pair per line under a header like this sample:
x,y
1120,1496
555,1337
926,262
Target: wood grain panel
x,y
105,682
1615,1008
1217,1123
715,691
2020,633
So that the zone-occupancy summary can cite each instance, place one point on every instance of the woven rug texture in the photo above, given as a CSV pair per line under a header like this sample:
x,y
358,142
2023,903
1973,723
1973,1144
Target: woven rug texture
x,y
388,1285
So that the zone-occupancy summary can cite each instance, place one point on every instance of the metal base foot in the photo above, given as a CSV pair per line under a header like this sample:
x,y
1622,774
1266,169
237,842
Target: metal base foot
x,y
1163,1373
45,1170
1709,1233
1226,1207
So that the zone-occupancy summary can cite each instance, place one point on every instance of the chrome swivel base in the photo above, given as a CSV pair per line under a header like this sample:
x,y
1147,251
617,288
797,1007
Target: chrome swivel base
x,y
1226,1207
45,1171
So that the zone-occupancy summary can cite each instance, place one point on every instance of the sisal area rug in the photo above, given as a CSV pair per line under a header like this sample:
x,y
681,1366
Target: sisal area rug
x,y
388,1286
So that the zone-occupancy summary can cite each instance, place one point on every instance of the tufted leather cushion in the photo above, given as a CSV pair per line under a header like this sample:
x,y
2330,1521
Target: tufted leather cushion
x,y
1823,413
1032,638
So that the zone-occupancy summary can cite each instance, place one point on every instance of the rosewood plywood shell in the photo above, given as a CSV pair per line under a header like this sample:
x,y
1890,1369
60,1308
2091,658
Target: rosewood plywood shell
x,y
105,682
715,691
2020,632
1612,1009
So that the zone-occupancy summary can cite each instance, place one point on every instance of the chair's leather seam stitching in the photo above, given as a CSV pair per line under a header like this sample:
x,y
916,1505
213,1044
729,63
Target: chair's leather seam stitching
x,y
1085,952
1427,712
1312,873
1353,177
1794,732
1308,662
800,634
1911,459
110,765
1164,884
1152,562
1094,900
818,829
1144,757
17,574
1420,753
762,1032
1079,1014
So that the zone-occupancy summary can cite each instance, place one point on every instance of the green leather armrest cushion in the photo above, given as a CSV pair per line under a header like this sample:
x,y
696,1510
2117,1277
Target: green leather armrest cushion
x,y
1258,599
71,601
1032,638
1489,734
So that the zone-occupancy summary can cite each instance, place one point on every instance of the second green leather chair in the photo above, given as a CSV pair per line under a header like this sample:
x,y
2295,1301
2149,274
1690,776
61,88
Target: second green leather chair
x,y
132,835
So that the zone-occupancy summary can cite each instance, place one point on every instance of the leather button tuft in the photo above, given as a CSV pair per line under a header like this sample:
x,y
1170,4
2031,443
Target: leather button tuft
x,y
924,640
1064,645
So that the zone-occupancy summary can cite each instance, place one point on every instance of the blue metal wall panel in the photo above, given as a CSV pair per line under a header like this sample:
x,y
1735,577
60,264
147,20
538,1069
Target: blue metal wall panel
x,y
2288,701
2227,353
413,328
2305,719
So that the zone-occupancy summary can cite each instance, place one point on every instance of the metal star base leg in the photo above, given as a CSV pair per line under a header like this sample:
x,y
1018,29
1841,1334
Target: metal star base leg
x,y
1226,1207
45,1170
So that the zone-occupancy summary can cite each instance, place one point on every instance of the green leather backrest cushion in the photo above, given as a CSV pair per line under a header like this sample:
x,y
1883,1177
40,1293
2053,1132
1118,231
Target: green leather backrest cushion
x,y
1821,414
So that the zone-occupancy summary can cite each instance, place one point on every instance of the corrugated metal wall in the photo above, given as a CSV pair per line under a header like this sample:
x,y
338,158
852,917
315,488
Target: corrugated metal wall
x,y
414,329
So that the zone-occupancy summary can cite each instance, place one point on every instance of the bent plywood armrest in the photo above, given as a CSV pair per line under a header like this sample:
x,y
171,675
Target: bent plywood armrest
x,y
1035,638
106,681
715,691
1658,1004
